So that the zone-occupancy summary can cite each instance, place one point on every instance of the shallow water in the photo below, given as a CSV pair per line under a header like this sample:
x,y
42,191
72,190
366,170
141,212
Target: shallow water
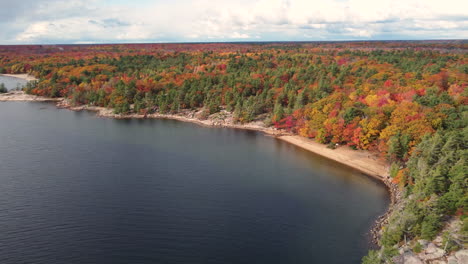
x,y
75,188
12,82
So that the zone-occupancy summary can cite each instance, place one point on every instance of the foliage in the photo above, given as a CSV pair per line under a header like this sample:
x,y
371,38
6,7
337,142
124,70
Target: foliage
x,y
3,89
372,258
406,100
449,242
417,248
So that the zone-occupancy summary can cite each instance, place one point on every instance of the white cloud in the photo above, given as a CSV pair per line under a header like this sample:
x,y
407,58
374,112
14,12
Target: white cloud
x,y
202,20
237,35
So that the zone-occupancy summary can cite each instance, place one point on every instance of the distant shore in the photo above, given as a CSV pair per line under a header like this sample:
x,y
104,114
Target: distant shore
x,y
23,76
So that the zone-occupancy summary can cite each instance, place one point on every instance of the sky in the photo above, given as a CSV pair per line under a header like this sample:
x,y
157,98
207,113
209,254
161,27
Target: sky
x,y
153,21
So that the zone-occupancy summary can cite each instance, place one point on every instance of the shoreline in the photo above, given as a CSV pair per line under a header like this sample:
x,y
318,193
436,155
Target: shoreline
x,y
361,160
20,96
23,76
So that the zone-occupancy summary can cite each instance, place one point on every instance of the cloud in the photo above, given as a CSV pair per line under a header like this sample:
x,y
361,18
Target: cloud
x,y
72,21
237,35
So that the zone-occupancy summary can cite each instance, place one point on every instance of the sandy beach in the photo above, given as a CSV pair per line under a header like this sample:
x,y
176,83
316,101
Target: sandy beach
x,y
361,160
23,76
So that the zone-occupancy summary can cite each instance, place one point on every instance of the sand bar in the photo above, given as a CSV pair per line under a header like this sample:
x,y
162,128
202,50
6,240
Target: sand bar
x,y
20,96
23,76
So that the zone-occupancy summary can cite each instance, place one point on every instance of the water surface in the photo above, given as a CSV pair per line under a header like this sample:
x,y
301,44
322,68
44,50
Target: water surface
x,y
75,188
12,82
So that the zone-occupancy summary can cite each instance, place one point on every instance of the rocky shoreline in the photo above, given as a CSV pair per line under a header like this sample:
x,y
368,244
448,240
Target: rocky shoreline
x,y
20,96
434,252
396,198
221,119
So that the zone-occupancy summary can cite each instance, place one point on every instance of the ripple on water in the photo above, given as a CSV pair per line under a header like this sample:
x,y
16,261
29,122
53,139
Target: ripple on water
x,y
79,189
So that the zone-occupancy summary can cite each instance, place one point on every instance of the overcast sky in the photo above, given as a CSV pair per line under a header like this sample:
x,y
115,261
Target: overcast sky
x,y
121,21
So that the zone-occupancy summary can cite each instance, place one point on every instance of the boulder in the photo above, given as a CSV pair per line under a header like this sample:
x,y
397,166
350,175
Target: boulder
x,y
452,260
438,241
410,258
431,252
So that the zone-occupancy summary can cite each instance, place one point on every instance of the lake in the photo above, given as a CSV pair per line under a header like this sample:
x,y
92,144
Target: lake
x,y
12,82
76,188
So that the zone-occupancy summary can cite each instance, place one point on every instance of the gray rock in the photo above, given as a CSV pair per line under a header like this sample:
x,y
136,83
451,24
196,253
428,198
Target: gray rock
x,y
398,259
412,259
438,262
423,243
462,256
452,260
431,252
438,241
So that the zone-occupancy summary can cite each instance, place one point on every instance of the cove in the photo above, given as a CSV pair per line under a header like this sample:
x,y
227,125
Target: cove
x,y
12,82
75,188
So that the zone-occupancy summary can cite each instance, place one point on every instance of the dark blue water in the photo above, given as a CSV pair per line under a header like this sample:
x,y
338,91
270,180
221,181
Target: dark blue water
x,y
75,188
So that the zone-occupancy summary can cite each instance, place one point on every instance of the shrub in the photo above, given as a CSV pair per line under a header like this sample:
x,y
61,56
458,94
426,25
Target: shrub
x,y
430,226
3,89
371,258
417,248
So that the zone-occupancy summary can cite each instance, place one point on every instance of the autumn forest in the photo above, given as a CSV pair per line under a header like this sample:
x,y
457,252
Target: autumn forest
x,y
406,101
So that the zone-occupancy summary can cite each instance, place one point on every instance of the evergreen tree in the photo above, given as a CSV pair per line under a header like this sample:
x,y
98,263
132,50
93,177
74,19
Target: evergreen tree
x,y
3,89
278,113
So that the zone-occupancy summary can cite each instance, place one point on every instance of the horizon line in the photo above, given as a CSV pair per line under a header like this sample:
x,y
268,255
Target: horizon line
x,y
236,42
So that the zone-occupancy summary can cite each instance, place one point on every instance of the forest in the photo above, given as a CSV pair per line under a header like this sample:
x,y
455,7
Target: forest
x,y
405,100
